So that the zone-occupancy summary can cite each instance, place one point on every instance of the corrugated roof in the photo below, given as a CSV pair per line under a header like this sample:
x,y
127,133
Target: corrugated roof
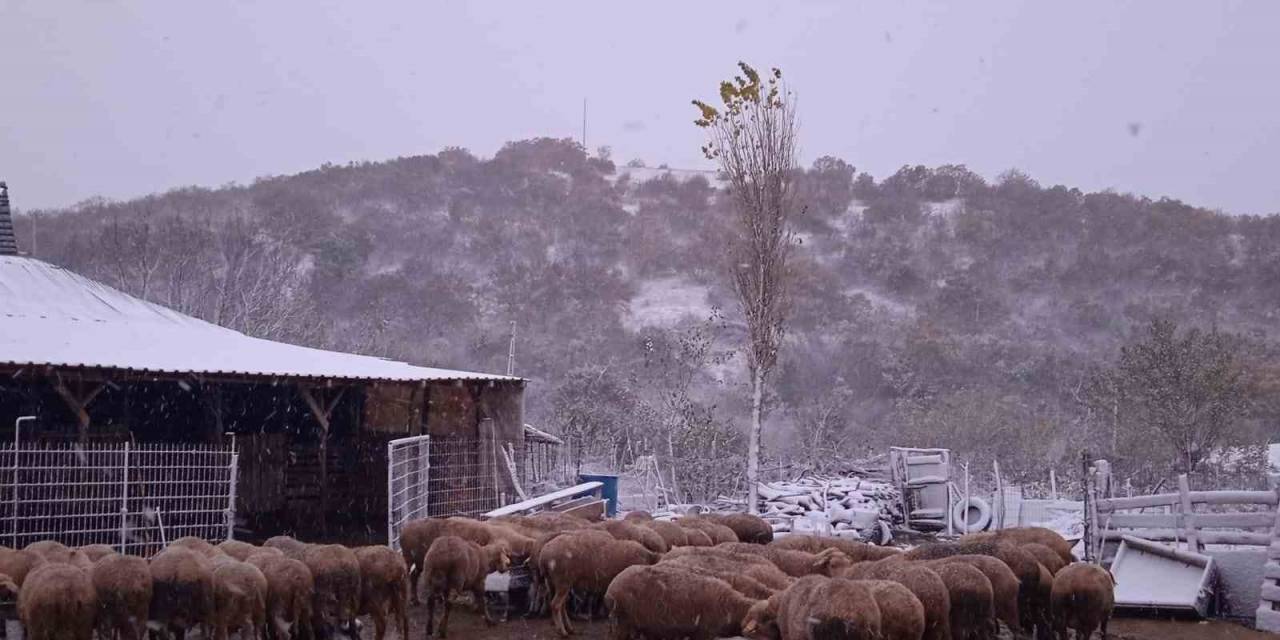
x,y
52,316
534,434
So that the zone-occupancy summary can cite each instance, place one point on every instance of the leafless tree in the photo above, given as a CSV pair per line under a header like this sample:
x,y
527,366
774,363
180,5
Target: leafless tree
x,y
753,139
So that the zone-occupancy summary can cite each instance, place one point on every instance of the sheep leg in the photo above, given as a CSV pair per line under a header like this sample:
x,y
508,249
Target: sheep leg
x,y
444,619
483,603
398,607
431,610
414,574
379,623
559,611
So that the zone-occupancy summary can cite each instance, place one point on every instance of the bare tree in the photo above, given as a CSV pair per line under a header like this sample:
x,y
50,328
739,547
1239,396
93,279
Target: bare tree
x,y
753,139
1187,390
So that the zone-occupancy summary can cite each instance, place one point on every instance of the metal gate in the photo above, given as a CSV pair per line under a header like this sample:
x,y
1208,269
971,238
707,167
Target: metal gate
x,y
134,497
408,470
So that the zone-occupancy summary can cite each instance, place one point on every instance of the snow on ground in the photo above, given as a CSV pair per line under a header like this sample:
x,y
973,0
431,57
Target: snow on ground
x,y
946,208
664,302
880,300
644,174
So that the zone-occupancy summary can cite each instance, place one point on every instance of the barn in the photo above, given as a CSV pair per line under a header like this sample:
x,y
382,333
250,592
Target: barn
x,y
283,438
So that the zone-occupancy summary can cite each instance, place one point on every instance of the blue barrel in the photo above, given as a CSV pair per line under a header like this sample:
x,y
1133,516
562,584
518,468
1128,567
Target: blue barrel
x,y
609,491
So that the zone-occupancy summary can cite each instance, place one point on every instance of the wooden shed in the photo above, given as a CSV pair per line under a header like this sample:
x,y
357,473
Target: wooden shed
x,y
94,364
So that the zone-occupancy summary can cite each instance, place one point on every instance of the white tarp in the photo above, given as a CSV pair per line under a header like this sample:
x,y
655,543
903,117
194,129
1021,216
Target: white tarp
x,y
52,316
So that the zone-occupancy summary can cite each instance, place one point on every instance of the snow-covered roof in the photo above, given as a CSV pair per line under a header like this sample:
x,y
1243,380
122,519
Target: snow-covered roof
x,y
532,433
50,316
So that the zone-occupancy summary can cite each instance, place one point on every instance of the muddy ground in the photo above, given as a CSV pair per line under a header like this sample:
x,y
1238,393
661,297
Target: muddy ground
x,y
468,625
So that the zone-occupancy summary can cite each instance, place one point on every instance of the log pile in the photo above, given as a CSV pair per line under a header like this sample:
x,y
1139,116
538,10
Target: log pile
x,y
833,505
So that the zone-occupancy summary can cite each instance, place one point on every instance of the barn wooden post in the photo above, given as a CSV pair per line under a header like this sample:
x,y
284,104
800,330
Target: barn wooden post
x,y
78,400
322,411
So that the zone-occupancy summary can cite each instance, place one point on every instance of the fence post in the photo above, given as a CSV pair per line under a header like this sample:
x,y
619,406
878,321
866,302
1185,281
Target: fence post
x,y
231,493
14,524
1188,514
391,496
124,498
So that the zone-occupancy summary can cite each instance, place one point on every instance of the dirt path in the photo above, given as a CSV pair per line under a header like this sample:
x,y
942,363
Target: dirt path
x,y
467,625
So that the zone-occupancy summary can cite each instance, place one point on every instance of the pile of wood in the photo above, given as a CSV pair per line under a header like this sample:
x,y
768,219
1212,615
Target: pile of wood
x,y
845,506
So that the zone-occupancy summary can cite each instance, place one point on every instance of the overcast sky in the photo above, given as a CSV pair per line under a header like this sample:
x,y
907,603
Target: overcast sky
x,y
122,98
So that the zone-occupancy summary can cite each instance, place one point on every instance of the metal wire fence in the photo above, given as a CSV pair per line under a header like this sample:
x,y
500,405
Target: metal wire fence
x,y
408,469
440,477
134,497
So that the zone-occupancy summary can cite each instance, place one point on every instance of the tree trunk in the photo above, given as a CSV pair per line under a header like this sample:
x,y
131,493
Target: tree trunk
x,y
753,442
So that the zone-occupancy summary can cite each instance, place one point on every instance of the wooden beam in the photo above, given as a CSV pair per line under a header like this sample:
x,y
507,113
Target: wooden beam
x,y
322,410
78,401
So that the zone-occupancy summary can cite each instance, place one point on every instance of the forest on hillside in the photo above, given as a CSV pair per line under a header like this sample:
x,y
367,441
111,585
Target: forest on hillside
x,y
1005,319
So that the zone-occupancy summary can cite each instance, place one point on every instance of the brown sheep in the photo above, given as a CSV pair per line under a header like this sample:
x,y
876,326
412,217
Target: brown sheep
x,y
289,546
754,568
691,605
96,552
1004,586
723,569
816,607
857,551
18,564
8,588
417,536
717,532
1025,535
556,520
58,602
290,591
972,600
54,551
123,585
199,545
796,564
901,612
456,564
335,571
237,549
574,562
673,534
1044,599
635,533
539,593
1083,596
1048,558
384,588
45,547
638,516
697,537
748,527
239,598
927,586
182,589
1022,564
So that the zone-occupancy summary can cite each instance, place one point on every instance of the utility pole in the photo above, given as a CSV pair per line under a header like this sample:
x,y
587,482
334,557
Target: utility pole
x,y
584,124
511,351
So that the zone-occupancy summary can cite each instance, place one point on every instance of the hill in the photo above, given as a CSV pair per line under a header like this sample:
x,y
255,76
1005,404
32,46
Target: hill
x,y
932,307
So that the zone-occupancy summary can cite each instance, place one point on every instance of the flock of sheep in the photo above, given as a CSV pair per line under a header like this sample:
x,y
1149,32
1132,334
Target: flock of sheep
x,y
719,575
701,577
283,589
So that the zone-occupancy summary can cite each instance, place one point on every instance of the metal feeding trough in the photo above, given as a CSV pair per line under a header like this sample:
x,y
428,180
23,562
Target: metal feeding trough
x,y
1152,576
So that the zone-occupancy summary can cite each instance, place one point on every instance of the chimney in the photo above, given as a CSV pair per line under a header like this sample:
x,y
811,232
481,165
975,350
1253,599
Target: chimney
x,y
8,241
